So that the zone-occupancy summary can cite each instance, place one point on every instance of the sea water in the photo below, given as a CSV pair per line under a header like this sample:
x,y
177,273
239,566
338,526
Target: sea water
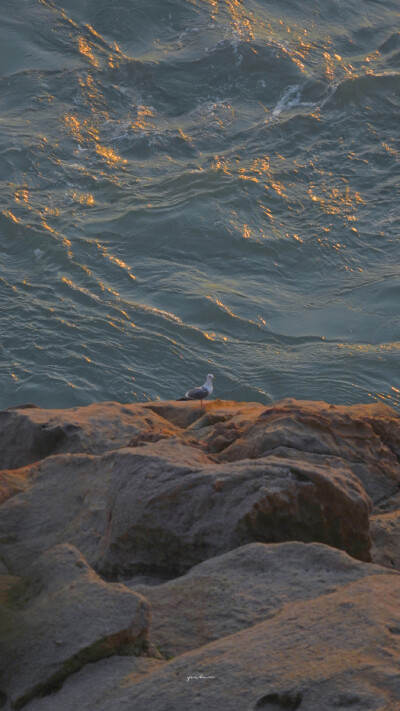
x,y
194,186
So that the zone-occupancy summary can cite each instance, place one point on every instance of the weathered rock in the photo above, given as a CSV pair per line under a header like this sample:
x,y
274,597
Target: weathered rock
x,y
170,520
226,594
365,437
28,435
165,507
66,502
95,683
13,481
335,649
193,417
60,617
385,534
157,488
339,650
83,490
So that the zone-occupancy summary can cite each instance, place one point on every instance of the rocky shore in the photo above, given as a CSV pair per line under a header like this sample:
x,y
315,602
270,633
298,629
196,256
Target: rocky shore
x,y
167,556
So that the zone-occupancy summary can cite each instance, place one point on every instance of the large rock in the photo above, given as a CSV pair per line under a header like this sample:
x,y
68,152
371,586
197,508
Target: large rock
x,y
193,418
365,437
29,434
385,533
226,594
13,481
93,683
295,626
164,507
156,488
338,651
169,518
60,616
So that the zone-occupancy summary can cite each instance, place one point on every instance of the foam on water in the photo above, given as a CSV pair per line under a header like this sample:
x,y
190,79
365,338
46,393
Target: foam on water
x,y
291,98
194,186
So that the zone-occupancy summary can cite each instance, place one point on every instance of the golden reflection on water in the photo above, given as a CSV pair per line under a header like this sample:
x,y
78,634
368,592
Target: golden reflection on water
x,y
22,200
243,176
21,195
337,201
142,118
80,289
92,48
110,156
259,166
241,19
391,149
115,260
87,134
91,96
259,323
246,232
331,194
10,215
220,163
297,43
48,227
370,347
85,48
82,198
222,306
80,130
267,211
331,62
278,187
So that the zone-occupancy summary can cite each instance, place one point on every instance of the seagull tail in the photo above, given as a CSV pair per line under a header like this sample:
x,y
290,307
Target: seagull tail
x,y
182,398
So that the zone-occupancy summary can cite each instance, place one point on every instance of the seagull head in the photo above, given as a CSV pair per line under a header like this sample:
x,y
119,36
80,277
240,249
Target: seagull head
x,y
210,376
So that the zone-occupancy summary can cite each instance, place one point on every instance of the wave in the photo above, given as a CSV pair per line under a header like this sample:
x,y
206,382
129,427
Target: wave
x,y
371,87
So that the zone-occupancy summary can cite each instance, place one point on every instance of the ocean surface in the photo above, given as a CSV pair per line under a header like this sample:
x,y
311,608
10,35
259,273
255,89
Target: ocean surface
x,y
194,186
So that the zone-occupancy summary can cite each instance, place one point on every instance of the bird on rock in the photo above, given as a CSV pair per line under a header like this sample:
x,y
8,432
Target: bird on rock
x,y
201,392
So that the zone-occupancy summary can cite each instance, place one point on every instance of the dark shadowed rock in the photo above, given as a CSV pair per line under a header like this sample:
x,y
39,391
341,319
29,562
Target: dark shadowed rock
x,y
165,507
60,616
169,519
385,534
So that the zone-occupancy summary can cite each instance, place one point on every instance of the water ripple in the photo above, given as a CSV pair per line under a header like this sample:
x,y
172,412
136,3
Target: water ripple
x,y
199,185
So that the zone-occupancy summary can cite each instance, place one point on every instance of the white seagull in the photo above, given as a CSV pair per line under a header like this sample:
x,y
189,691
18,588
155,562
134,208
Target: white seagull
x,y
201,392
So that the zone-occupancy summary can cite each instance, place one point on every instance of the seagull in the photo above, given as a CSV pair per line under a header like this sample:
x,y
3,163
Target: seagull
x,y
201,392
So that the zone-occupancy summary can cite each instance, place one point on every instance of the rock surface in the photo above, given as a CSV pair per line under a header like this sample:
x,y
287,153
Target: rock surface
x,y
385,533
145,492
239,589
170,500
31,433
60,616
328,640
339,651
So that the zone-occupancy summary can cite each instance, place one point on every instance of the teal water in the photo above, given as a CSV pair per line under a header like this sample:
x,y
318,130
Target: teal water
x,y
194,186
